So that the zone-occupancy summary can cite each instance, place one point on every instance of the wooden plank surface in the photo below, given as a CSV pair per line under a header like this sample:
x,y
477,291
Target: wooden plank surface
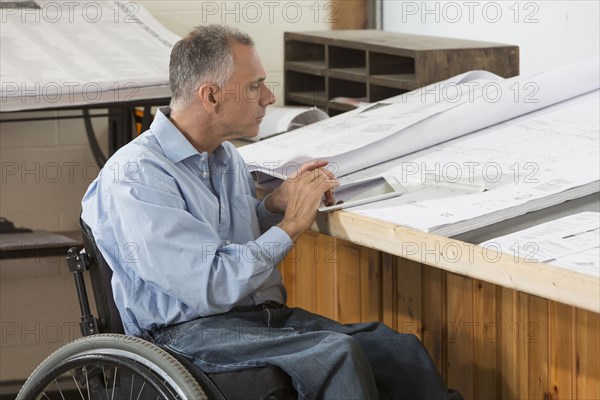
x,y
486,335
348,273
325,287
544,280
536,340
508,362
388,298
561,320
460,331
487,341
587,344
408,296
370,280
433,311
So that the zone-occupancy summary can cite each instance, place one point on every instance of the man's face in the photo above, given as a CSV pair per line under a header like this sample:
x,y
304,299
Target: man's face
x,y
244,97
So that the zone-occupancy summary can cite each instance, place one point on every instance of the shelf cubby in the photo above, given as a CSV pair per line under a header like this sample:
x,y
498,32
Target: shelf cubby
x,y
378,92
305,57
372,65
344,88
343,57
391,64
305,88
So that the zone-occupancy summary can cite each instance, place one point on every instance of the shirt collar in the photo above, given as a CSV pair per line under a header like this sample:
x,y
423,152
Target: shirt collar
x,y
174,144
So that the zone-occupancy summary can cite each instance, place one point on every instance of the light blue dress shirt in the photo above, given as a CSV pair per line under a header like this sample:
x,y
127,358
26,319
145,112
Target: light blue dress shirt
x,y
181,231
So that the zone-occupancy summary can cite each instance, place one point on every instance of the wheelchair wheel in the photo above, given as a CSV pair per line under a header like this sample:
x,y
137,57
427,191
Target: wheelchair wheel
x,y
111,366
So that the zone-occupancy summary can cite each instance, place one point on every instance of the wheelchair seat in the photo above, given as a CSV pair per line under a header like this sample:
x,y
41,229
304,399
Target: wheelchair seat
x,y
105,361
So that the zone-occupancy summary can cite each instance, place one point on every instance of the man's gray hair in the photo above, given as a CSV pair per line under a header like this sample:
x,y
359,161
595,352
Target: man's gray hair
x,y
203,56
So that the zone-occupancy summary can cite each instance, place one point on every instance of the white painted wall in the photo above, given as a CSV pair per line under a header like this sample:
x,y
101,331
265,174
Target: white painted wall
x,y
548,33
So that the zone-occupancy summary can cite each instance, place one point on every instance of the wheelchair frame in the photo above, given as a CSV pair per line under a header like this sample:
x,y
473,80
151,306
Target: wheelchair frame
x,y
104,363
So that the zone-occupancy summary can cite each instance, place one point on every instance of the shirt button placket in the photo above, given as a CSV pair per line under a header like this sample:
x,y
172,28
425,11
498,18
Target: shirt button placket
x,y
205,172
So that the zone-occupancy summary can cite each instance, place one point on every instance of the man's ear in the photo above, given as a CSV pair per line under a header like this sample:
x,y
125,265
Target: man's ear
x,y
208,96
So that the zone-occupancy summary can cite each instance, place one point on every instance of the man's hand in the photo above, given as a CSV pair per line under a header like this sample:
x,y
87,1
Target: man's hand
x,y
300,195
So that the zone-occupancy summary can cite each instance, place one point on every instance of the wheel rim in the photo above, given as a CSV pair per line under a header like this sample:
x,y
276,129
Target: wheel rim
x,y
101,376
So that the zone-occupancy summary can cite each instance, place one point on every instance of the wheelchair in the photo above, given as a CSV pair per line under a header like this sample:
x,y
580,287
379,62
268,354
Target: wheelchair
x,y
107,364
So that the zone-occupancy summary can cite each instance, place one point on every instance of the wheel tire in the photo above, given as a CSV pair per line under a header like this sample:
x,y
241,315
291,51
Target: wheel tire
x,y
155,359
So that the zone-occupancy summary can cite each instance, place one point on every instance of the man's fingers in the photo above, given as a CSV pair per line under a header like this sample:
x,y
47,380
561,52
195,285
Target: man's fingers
x,y
317,184
315,169
327,183
326,178
310,166
327,172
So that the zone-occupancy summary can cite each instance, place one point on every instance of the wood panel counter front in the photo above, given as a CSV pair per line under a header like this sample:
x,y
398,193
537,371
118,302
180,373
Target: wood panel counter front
x,y
497,327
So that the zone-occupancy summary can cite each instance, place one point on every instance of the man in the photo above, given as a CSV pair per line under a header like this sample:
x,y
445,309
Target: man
x,y
194,254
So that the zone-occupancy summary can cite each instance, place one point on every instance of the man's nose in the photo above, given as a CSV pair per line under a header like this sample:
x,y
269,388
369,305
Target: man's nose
x,y
268,97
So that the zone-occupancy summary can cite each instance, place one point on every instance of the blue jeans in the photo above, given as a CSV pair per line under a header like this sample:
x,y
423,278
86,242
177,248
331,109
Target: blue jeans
x,y
325,359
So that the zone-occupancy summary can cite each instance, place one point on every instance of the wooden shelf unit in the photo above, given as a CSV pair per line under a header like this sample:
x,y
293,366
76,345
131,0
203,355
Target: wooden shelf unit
x,y
373,65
